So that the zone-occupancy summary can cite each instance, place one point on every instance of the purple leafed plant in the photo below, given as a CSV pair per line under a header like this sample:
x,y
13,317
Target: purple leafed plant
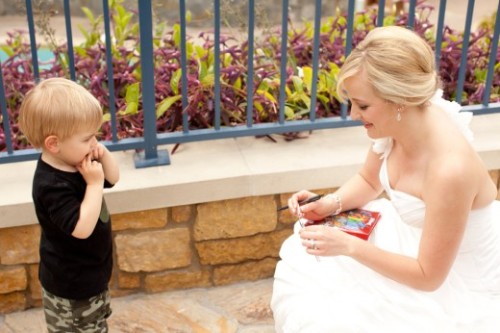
x,y
91,71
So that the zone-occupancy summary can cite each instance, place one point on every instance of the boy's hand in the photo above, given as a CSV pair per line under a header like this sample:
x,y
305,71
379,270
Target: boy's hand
x,y
91,171
109,165
98,152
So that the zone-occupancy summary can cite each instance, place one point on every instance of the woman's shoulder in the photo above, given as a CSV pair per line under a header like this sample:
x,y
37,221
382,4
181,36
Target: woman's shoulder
x,y
454,114
453,159
449,137
454,166
460,174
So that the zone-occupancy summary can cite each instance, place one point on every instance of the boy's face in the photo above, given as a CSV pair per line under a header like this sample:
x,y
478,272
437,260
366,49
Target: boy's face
x,y
74,149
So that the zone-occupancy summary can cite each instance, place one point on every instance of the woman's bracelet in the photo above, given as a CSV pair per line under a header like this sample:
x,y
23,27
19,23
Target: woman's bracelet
x,y
338,200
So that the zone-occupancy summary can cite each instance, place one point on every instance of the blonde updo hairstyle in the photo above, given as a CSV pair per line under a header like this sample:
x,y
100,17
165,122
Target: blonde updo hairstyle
x,y
398,63
60,107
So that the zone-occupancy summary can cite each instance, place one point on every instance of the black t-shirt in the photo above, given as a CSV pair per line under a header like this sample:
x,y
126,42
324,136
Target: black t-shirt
x,y
70,267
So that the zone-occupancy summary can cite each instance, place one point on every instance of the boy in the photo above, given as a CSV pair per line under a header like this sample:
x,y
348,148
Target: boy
x,y
62,118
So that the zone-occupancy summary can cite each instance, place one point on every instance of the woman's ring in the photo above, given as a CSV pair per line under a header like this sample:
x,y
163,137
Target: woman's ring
x,y
313,244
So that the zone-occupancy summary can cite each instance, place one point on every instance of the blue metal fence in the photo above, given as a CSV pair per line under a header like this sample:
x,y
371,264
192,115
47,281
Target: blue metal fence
x,y
147,146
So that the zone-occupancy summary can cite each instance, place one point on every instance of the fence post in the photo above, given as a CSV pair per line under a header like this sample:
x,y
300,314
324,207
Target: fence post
x,y
150,156
5,115
69,40
465,48
493,55
31,27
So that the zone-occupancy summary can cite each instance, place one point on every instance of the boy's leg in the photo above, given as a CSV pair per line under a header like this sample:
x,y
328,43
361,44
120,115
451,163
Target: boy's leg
x,y
77,316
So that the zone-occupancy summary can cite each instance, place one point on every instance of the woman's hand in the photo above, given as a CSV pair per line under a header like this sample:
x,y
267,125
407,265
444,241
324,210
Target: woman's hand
x,y
314,211
322,240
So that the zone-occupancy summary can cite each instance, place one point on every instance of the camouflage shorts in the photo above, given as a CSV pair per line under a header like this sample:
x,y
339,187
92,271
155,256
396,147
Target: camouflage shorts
x,y
76,316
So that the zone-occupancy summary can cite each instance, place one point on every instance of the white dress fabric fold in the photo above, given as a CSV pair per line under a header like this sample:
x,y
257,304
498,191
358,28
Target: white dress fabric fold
x,y
337,294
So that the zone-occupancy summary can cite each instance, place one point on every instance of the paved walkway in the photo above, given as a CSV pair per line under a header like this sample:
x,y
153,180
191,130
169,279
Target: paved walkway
x,y
237,308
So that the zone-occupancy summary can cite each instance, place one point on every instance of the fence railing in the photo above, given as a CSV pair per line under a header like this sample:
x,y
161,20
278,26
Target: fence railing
x,y
147,145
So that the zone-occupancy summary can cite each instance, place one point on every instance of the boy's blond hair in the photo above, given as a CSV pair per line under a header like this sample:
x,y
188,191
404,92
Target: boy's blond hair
x,y
60,107
398,63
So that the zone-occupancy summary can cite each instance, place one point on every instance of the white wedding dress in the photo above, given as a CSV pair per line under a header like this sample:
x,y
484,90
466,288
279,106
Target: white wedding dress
x,y
337,294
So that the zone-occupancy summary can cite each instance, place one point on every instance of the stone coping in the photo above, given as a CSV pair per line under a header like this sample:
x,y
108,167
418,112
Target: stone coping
x,y
230,168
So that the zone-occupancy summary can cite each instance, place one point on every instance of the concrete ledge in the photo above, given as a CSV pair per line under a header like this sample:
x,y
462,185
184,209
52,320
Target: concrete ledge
x,y
230,168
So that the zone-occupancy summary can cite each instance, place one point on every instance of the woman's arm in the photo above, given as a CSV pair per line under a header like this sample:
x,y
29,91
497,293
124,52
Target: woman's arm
x,y
364,186
356,192
448,195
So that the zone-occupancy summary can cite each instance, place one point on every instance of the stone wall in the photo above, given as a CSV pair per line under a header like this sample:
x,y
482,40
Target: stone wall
x,y
201,245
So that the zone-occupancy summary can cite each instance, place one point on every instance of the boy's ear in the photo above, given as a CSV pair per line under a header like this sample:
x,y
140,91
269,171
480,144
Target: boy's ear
x,y
52,144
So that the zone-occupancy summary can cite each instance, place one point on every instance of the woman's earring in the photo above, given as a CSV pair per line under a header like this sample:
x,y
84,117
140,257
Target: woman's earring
x,y
398,117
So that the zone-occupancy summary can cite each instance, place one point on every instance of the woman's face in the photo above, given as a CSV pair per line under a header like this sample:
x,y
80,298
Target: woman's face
x,y
377,115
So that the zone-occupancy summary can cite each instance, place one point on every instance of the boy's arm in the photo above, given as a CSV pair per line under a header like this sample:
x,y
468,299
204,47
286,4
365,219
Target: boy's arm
x,y
90,208
109,164
89,211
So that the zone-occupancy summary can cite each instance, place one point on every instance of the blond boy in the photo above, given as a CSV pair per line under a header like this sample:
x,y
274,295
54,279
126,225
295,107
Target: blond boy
x,y
62,119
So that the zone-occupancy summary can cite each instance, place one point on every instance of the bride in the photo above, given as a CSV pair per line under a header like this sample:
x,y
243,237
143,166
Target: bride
x,y
432,263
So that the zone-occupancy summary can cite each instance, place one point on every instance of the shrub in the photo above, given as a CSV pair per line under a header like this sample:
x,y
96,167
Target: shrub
x,y
91,71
